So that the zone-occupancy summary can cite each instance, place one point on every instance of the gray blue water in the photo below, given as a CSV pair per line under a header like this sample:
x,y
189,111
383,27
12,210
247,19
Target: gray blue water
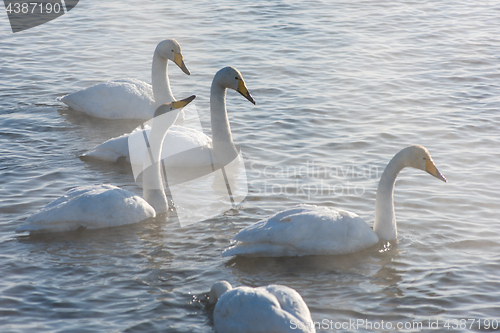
x,y
341,86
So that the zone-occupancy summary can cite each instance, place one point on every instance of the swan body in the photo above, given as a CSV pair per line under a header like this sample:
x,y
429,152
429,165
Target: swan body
x,y
274,308
101,206
131,98
304,230
91,207
180,138
313,230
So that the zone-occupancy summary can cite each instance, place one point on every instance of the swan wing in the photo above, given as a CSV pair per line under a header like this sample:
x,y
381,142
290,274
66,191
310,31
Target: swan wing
x,y
110,150
304,230
246,309
95,206
120,99
184,147
178,139
291,302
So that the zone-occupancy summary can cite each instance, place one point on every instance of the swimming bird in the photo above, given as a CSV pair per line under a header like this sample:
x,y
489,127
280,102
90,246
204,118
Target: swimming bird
x,y
131,98
274,308
313,230
100,206
181,139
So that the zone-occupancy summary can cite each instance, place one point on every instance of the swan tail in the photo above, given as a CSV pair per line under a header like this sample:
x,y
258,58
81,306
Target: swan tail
x,y
37,228
292,303
113,150
105,156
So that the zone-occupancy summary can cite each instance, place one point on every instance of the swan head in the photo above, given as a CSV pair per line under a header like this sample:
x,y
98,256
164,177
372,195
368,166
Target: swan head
x,y
171,50
419,157
230,77
217,290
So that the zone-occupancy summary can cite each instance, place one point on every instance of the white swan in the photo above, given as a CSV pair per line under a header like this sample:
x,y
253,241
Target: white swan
x,y
274,308
313,230
180,138
131,98
101,206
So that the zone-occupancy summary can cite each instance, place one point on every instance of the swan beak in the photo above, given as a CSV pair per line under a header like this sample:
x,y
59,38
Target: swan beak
x,y
183,102
179,62
242,89
167,107
430,167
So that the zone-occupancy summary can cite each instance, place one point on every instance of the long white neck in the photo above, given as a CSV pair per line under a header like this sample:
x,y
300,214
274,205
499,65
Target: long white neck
x,y
222,139
385,219
159,79
153,191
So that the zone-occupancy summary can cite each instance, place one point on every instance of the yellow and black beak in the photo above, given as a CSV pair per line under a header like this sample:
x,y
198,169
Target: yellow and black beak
x,y
242,89
167,107
183,102
430,167
179,62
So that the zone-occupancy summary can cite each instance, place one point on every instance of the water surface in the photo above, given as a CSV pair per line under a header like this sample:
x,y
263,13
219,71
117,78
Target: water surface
x,y
341,86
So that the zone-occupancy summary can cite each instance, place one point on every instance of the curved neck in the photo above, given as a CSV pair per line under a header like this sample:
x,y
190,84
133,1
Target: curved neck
x,y
159,80
385,219
152,181
222,138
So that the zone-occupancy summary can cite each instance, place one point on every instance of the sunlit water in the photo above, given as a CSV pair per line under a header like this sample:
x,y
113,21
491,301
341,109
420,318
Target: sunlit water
x,y
341,86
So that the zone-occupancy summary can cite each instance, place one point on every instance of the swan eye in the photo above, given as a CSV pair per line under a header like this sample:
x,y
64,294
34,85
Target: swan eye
x,y
236,78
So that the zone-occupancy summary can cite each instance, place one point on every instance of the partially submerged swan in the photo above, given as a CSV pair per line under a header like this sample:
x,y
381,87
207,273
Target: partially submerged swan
x,y
313,230
100,206
180,138
131,98
275,308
